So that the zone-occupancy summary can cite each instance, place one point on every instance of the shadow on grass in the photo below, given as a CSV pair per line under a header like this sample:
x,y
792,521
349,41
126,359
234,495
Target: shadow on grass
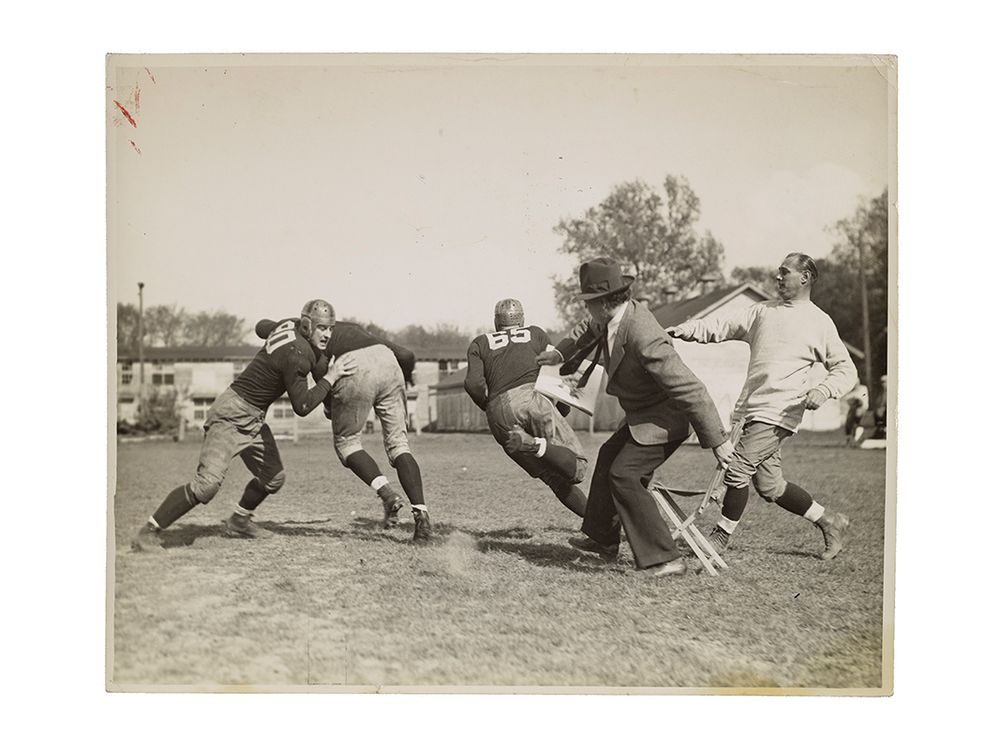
x,y
188,534
552,556
514,540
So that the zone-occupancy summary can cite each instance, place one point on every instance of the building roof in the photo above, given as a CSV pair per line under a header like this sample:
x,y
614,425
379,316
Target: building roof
x,y
451,381
437,352
674,313
242,352
190,353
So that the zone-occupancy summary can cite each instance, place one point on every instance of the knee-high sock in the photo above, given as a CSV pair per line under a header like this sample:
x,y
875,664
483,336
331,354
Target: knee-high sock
x,y
561,459
253,495
409,476
795,500
364,466
735,502
176,504
575,499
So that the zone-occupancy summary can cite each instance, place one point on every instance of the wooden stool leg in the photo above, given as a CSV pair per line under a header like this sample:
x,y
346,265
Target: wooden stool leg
x,y
670,511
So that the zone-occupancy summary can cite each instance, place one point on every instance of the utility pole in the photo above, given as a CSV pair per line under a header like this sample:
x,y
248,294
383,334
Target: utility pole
x,y
142,367
869,381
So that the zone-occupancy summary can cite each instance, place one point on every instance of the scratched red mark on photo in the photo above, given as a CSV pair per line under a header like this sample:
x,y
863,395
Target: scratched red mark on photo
x,y
126,113
137,149
151,77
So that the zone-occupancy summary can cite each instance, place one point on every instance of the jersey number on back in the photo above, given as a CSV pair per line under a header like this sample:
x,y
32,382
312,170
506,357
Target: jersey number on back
x,y
500,339
283,334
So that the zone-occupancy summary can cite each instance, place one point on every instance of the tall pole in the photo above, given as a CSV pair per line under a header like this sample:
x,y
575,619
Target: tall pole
x,y
142,367
869,381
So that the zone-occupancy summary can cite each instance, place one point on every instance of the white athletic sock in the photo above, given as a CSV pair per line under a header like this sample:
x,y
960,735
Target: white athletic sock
x,y
153,521
419,507
814,513
727,524
240,510
542,445
379,482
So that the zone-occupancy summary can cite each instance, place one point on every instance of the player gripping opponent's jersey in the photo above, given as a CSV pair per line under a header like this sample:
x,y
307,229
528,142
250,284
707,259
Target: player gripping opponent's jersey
x,y
501,380
382,371
235,425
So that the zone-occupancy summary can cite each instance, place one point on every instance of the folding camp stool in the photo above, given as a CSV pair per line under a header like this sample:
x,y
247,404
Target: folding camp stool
x,y
683,523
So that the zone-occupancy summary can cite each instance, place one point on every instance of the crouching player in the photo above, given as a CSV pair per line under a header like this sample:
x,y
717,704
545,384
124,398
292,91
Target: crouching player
x,y
382,370
235,424
501,380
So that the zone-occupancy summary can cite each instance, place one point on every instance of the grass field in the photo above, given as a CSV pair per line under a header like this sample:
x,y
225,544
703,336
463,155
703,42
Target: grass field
x,y
499,598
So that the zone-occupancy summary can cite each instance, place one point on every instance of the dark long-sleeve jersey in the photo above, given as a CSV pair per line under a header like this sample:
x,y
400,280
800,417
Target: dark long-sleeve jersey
x,y
281,366
502,360
349,337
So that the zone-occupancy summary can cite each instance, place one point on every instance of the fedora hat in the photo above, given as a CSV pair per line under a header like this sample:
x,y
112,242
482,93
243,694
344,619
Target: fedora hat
x,y
600,277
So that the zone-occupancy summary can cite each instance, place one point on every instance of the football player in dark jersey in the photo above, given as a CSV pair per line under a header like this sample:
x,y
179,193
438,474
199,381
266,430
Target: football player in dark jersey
x,y
501,380
235,425
379,382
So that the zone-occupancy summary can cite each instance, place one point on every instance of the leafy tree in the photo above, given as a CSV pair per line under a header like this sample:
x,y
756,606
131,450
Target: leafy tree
x,y
862,242
443,334
214,329
128,327
651,234
165,325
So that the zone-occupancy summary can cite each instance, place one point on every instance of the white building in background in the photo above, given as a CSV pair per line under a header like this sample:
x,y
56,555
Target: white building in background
x,y
196,375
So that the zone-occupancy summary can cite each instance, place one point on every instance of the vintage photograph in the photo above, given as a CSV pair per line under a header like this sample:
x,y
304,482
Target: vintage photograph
x,y
508,373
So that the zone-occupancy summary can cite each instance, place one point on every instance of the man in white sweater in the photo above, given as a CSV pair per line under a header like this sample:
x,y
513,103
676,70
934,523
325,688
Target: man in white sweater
x,y
787,337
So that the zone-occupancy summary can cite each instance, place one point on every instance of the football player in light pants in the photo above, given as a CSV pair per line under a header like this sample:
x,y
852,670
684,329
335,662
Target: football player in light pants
x,y
787,337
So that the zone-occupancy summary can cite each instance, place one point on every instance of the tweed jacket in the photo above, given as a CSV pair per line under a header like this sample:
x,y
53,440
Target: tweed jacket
x,y
661,397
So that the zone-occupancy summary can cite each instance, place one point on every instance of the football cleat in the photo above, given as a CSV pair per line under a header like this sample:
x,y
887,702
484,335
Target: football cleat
x,y
719,538
608,552
833,529
149,539
390,507
421,526
238,525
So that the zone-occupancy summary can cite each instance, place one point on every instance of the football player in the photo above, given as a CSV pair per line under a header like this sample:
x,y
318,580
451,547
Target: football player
x,y
235,425
501,380
379,382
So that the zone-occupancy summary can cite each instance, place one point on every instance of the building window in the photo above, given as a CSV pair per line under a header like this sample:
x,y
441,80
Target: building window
x,y
282,409
163,378
201,407
126,378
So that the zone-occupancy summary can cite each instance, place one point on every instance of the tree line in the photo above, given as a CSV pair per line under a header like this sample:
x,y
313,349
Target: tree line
x,y
654,233
169,325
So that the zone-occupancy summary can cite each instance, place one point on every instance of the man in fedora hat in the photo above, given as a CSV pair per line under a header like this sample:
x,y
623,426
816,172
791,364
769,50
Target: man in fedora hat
x,y
662,400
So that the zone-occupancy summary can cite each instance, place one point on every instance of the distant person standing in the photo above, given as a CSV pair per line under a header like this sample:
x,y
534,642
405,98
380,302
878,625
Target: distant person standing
x,y
501,381
857,405
882,409
787,337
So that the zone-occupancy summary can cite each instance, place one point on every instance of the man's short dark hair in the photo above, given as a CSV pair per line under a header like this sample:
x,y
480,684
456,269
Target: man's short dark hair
x,y
611,301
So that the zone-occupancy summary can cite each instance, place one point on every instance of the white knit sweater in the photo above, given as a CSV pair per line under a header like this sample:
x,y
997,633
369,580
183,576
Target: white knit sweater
x,y
787,339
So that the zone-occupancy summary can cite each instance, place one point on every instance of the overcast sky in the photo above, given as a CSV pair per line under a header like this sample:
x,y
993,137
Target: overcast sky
x,y
421,190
